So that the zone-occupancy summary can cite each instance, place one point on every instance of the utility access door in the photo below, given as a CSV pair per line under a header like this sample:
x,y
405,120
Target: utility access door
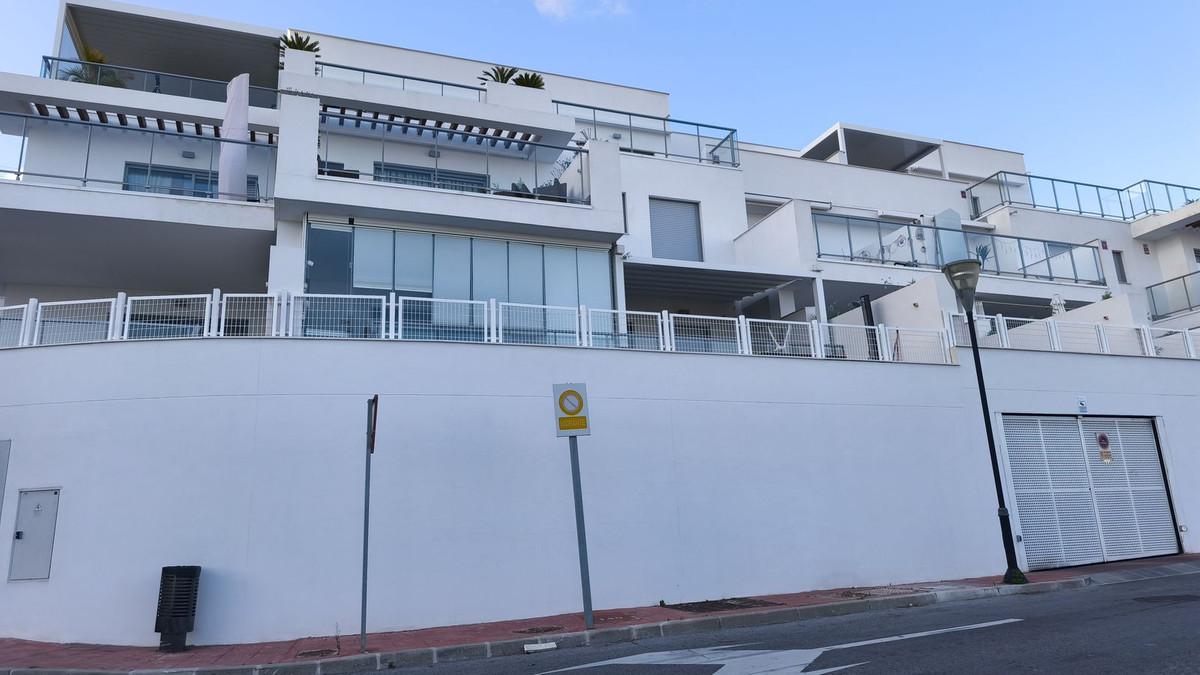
x,y
1087,489
33,535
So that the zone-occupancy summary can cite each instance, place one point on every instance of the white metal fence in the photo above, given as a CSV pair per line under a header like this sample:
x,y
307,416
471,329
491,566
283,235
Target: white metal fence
x,y
379,317
1080,338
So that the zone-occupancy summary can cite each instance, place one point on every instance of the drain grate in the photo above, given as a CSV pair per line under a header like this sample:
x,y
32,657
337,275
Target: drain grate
x,y
316,653
1168,598
535,630
722,605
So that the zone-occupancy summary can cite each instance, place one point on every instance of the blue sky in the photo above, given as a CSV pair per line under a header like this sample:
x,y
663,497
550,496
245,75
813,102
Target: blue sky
x,y
1103,92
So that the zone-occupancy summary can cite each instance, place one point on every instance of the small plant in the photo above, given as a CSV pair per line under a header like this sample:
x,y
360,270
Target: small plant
x,y
1107,295
301,43
499,74
531,80
983,252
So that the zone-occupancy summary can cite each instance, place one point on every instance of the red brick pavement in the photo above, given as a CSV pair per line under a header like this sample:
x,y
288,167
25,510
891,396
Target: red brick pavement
x,y
28,654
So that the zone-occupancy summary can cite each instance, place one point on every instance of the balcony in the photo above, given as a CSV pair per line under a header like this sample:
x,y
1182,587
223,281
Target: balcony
x,y
1144,198
419,85
138,79
877,241
1175,296
129,153
459,157
655,136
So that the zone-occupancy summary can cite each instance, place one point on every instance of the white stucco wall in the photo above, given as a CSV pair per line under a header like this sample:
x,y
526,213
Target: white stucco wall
x,y
707,476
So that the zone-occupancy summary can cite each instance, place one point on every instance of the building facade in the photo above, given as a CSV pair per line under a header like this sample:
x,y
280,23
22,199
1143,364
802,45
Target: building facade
x,y
203,276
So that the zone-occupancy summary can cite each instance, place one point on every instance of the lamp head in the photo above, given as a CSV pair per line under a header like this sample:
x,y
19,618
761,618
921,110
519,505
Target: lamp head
x,y
963,276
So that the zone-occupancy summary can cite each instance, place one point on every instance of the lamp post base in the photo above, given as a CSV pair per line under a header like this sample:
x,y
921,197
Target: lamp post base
x,y
1015,576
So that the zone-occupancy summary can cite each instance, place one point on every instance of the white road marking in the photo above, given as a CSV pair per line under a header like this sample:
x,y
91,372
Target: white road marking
x,y
757,661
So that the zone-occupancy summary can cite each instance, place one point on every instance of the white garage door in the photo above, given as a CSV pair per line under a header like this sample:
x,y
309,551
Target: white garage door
x,y
1077,504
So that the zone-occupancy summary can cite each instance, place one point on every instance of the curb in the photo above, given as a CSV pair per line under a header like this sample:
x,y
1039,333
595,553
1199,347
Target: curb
x,y
485,650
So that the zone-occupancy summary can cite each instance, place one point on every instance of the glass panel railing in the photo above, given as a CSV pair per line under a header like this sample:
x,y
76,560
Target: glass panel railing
x,y
1181,294
443,157
870,240
419,85
655,136
1136,201
109,156
138,79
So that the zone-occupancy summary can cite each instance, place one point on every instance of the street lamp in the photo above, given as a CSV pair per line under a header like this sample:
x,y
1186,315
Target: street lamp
x,y
963,276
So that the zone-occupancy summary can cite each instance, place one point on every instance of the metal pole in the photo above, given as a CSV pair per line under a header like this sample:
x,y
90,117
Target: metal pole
x,y
585,578
1012,575
372,411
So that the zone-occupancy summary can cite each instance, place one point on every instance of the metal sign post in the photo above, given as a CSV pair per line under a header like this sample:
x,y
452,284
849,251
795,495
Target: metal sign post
x,y
571,420
372,415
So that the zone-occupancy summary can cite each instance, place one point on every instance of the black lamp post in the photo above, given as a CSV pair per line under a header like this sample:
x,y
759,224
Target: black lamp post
x,y
964,277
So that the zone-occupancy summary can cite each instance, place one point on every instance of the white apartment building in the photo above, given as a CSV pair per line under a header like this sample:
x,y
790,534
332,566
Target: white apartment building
x,y
200,283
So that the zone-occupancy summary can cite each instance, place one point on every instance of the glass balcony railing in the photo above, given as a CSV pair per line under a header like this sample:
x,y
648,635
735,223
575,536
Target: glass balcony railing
x,y
441,157
137,79
1175,296
656,136
877,241
44,151
420,85
1144,198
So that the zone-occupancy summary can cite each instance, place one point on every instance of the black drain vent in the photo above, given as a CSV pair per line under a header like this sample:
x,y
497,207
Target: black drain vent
x,y
534,630
722,605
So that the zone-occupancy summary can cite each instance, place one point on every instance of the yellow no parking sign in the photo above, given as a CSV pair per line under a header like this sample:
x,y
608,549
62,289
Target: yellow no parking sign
x,y
571,410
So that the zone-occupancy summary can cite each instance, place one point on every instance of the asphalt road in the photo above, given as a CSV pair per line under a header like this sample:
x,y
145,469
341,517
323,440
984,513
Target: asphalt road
x,y
1150,626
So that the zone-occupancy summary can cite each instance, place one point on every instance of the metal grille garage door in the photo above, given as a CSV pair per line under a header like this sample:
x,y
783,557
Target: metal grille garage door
x,y
1077,504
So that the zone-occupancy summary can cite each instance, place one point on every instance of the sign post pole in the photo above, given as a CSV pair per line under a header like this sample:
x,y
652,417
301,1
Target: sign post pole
x,y
571,421
585,577
372,414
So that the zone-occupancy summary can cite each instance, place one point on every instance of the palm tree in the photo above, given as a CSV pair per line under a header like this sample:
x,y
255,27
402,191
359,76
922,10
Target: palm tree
x,y
91,70
301,43
501,74
532,80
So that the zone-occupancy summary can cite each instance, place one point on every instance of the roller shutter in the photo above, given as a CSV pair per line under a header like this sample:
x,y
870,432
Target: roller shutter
x,y
675,230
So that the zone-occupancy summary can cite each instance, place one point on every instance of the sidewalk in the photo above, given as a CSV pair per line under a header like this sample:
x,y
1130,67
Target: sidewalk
x,y
320,655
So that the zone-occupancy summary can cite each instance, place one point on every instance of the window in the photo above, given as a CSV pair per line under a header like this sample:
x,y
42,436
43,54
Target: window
x,y
377,260
1119,262
675,230
178,181
428,177
1196,254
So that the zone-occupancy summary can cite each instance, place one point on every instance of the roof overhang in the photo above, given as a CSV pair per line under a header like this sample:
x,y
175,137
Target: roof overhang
x,y
141,37
671,278
872,148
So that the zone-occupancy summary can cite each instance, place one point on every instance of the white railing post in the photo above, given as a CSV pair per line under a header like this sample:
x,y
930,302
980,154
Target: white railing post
x,y
583,332
668,331
743,335
1001,330
285,314
276,302
29,323
818,343
389,316
222,309
1189,346
116,317
1102,337
126,319
211,318
497,321
885,345
661,319
1055,338
948,344
398,319
1147,341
